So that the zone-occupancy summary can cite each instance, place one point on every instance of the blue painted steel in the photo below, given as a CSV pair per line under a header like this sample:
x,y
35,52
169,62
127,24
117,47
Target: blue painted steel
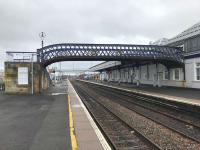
x,y
72,51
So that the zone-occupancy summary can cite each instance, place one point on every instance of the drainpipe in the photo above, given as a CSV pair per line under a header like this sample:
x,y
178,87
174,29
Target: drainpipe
x,y
184,77
42,79
157,78
32,91
138,76
184,73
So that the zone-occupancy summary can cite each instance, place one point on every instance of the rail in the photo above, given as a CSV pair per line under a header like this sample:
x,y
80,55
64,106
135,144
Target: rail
x,y
119,133
177,120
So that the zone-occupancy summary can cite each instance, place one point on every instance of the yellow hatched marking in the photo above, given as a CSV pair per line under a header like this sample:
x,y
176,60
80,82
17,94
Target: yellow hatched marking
x,y
71,127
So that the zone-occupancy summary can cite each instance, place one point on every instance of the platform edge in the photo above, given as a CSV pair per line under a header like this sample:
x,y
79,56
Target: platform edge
x,y
100,136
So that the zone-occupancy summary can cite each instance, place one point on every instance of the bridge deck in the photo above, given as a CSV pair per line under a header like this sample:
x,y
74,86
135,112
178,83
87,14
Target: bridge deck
x,y
73,51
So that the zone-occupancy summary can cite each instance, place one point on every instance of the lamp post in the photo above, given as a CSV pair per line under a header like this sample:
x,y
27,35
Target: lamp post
x,y
42,35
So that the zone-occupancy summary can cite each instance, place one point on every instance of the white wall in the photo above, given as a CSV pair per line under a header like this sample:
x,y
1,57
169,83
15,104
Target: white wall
x,y
105,65
156,76
103,76
190,73
139,75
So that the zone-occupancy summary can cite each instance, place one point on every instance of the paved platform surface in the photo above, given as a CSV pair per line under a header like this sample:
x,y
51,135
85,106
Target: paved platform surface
x,y
35,122
189,93
186,95
87,134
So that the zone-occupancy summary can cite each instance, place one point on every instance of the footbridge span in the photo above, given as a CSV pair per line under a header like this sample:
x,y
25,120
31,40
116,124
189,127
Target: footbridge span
x,y
108,52
27,72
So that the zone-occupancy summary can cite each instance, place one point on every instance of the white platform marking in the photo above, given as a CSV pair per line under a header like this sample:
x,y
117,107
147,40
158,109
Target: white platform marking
x,y
55,94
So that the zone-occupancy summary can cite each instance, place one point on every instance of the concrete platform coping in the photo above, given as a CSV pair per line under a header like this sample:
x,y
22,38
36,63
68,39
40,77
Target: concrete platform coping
x,y
195,102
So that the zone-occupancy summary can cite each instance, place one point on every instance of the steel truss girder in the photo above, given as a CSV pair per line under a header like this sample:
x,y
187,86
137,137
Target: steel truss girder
x,y
72,51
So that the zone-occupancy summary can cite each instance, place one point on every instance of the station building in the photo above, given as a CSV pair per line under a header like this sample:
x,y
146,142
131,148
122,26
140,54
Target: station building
x,y
157,73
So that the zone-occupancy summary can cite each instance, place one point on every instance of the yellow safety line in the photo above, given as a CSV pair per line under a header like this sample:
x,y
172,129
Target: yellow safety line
x,y
71,127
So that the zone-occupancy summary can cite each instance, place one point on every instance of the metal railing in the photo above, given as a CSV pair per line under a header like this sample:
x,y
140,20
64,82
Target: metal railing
x,y
108,52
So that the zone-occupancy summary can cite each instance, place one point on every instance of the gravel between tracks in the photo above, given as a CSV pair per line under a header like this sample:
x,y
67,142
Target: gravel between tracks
x,y
164,137
131,103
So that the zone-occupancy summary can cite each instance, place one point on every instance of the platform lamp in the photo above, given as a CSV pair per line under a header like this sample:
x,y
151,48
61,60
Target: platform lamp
x,y
42,35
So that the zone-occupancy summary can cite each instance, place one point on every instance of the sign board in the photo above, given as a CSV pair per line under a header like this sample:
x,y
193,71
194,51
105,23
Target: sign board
x,y
21,56
22,75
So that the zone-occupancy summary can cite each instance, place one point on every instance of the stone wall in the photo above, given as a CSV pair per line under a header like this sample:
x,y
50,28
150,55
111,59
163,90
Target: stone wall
x,y
41,79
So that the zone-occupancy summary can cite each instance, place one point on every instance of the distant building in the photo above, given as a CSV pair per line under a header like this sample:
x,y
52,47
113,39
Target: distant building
x,y
188,39
150,73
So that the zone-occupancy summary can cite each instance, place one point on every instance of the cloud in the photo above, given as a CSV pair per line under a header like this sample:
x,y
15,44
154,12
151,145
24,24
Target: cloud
x,y
92,21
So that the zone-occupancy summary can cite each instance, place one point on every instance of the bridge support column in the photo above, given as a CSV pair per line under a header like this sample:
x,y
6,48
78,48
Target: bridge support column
x,y
138,76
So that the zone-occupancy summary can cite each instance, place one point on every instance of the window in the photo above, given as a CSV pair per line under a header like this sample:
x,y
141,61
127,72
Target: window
x,y
177,74
198,71
140,73
148,72
144,76
23,75
166,75
192,44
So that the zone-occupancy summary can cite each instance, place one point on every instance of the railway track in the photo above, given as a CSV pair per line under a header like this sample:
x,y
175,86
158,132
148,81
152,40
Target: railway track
x,y
171,110
118,133
167,115
182,126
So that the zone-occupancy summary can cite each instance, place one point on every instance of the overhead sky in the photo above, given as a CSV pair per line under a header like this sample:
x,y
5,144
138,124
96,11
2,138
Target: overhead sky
x,y
91,21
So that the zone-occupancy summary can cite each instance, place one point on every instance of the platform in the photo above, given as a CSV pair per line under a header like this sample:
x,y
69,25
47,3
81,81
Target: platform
x,y
87,134
42,122
35,122
183,95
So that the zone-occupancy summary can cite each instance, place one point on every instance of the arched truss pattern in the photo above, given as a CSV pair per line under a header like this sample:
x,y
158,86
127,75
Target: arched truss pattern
x,y
107,52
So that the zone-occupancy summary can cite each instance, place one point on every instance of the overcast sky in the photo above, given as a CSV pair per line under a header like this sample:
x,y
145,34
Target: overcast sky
x,y
91,21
